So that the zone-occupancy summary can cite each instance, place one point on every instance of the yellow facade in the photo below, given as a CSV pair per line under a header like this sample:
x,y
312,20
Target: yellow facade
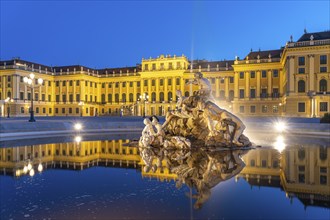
x,y
291,81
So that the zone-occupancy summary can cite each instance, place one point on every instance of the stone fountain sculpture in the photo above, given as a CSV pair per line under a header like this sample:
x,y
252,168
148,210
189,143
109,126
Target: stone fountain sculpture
x,y
196,122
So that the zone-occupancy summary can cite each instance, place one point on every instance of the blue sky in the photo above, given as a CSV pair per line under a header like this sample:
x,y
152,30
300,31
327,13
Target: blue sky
x,y
102,34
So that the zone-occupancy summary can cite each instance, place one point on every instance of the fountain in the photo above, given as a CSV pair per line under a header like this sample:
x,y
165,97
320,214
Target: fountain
x,y
196,122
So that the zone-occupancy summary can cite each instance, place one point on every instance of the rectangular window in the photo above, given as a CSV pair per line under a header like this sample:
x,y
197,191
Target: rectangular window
x,y
241,75
130,84
231,79
77,83
275,73
301,107
70,110
49,98
264,108
71,97
56,110
275,93
77,110
43,97
275,109
57,83
252,108
78,97
162,66
252,93
63,110
64,83
63,98
264,74
253,74
323,106
37,109
301,61
153,82
44,110
323,170
178,81
22,110
264,93
301,70
241,109
161,82
49,83
124,84
86,83
50,111
323,69
103,85
153,66
170,66
70,83
145,82
138,84
178,65
169,82
222,80
29,96
110,85
301,178
21,95
323,180
36,97
323,59
241,93
146,67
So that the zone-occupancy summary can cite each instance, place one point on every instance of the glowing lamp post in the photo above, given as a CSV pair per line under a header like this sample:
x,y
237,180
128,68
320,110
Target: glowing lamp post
x,y
8,101
145,98
30,82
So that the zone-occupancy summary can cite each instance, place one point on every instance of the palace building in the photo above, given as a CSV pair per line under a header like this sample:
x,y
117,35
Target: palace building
x,y
291,81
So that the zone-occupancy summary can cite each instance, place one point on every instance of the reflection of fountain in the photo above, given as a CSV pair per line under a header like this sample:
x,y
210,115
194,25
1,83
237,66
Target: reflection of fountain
x,y
196,121
199,169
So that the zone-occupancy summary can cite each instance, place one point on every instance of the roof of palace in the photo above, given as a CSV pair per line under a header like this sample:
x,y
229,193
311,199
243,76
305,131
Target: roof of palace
x,y
316,36
253,55
204,64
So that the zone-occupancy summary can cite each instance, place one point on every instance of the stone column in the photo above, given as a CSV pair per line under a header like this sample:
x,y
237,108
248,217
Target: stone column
x,y
134,91
269,83
166,89
311,77
290,79
74,90
157,90
82,90
247,84
16,80
182,85
217,86
258,84
227,87
236,91
173,89
281,82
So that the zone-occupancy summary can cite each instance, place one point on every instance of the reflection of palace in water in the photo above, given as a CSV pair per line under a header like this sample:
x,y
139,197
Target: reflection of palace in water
x,y
301,171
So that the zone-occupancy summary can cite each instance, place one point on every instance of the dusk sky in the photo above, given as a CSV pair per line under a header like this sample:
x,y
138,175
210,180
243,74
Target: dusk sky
x,y
100,34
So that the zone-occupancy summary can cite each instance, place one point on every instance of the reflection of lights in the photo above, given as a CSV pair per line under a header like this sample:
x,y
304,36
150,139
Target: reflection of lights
x,y
25,169
280,126
29,166
77,139
78,126
31,173
18,172
279,144
40,167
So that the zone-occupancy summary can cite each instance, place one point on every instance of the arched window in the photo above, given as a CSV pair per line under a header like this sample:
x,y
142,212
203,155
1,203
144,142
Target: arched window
x,y
323,85
131,97
222,94
123,97
186,94
9,94
301,86
109,97
153,96
161,96
169,94
231,95
117,97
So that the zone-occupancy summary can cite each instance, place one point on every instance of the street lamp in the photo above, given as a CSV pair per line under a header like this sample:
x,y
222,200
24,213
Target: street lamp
x,y
30,82
145,98
81,104
8,101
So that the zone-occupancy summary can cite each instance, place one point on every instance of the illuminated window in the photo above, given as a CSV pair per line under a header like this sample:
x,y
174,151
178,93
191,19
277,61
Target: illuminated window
x,y
264,108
